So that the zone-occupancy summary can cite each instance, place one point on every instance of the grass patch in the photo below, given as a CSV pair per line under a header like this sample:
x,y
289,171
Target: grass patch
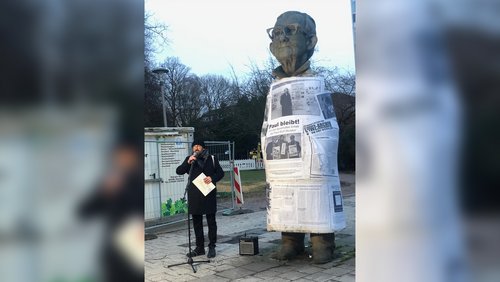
x,y
247,176
251,180
223,194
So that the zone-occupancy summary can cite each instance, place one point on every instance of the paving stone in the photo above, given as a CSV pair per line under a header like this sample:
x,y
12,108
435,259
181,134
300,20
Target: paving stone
x,y
168,277
336,271
249,279
267,274
184,278
239,261
235,273
155,278
230,266
212,278
308,269
278,279
346,278
292,275
302,280
201,272
180,269
222,267
320,277
352,268
351,262
155,271
284,268
328,265
259,266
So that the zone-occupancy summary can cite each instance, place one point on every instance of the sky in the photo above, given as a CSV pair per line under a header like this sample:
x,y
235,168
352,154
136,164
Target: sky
x,y
211,36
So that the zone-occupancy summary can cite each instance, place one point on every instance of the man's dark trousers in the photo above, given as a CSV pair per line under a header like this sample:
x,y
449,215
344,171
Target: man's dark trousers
x,y
198,230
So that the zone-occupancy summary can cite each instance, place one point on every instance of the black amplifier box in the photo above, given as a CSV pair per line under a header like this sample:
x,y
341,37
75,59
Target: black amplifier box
x,y
249,246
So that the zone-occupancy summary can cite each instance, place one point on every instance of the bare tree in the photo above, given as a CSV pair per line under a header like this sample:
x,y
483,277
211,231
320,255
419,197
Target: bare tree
x,y
338,82
258,80
155,36
344,109
190,104
176,82
152,99
344,83
343,88
215,90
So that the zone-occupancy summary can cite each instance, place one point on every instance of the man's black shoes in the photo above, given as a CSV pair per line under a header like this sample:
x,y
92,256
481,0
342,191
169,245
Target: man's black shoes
x,y
211,252
201,251
196,252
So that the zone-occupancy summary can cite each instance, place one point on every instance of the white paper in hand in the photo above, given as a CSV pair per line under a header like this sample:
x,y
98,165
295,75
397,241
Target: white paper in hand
x,y
202,186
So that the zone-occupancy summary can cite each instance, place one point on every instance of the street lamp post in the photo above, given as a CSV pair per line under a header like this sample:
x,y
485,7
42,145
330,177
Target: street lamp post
x,y
160,71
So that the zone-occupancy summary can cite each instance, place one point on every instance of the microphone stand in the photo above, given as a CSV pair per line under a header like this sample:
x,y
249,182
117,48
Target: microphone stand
x,y
190,260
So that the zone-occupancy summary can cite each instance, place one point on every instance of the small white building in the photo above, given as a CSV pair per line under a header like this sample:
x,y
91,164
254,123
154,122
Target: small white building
x,y
164,149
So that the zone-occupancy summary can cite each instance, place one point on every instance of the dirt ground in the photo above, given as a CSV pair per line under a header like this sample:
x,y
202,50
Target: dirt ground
x,y
254,197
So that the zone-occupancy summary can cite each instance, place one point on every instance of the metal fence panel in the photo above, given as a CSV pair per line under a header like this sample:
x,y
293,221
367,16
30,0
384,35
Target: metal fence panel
x,y
162,183
152,184
161,159
248,164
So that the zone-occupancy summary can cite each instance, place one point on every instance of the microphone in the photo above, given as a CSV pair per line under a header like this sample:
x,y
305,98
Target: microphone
x,y
199,156
195,154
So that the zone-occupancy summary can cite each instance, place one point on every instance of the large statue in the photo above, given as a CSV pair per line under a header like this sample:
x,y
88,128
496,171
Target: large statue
x,y
303,184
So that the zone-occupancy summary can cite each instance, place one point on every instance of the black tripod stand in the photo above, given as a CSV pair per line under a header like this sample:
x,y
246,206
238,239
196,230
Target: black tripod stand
x,y
190,260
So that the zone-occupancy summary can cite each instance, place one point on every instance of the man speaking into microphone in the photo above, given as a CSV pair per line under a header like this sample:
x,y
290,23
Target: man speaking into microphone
x,y
199,204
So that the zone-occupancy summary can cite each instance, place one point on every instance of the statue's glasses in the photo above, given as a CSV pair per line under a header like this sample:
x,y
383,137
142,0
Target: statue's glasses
x,y
287,31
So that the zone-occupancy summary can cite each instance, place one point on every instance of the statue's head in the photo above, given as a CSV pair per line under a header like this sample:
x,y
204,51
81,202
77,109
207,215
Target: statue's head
x,y
293,39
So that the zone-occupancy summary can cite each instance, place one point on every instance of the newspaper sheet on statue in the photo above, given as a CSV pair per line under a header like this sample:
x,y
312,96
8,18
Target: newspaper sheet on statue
x,y
299,142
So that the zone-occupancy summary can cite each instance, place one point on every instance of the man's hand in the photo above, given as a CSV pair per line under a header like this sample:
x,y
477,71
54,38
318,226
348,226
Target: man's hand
x,y
191,159
207,179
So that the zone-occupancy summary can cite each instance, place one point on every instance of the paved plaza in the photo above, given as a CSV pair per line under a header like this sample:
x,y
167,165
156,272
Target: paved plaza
x,y
170,247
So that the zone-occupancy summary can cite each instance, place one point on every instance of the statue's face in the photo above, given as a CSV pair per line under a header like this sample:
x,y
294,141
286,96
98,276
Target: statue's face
x,y
289,42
